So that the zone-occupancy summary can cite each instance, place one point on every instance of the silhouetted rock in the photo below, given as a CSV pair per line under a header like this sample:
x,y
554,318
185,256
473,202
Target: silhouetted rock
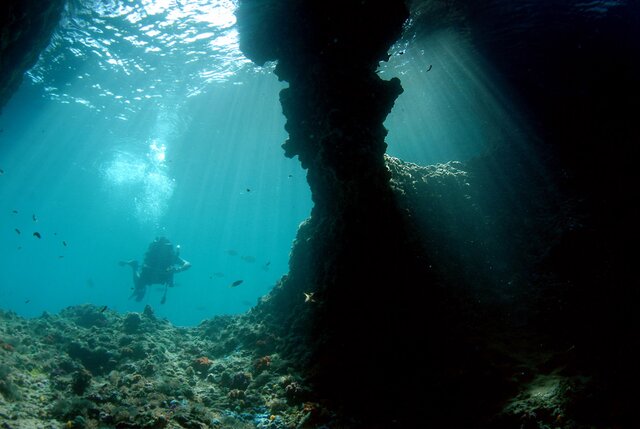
x,y
26,27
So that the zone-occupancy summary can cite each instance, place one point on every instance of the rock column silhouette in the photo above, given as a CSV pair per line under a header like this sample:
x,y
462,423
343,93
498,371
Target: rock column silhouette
x,y
355,252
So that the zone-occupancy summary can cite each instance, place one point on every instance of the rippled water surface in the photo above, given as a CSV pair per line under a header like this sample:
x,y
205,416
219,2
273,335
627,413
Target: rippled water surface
x,y
127,53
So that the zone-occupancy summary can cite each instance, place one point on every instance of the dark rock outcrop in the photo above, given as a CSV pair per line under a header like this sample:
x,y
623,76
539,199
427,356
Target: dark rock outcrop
x,y
575,68
389,269
355,308
25,30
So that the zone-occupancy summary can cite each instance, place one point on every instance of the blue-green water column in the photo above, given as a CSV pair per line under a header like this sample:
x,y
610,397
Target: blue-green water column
x,y
357,244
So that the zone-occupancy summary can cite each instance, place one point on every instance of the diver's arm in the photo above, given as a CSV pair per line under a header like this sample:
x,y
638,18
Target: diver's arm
x,y
181,266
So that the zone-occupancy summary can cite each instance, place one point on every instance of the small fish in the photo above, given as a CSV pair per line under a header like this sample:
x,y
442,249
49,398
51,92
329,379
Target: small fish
x,y
232,252
37,234
14,211
236,283
102,309
249,259
248,190
60,256
1,171
34,217
17,231
265,267
290,176
308,297
64,243
430,67
27,301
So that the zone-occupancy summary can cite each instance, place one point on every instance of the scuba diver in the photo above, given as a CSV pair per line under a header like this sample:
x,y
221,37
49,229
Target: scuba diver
x,y
161,262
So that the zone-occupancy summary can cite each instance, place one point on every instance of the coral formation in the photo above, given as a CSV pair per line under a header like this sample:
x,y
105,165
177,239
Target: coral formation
x,y
88,378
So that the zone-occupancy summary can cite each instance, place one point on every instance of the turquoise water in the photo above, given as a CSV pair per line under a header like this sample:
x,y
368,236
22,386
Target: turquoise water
x,y
108,157
144,119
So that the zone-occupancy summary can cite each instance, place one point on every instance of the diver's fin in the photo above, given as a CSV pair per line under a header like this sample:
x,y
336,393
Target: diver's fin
x,y
138,293
164,297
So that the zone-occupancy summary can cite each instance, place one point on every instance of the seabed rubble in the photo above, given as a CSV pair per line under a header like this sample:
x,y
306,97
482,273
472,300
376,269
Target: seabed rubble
x,y
88,367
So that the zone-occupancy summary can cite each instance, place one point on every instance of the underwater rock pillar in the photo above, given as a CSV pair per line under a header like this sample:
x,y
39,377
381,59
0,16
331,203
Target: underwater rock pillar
x,y
334,120
335,105
356,238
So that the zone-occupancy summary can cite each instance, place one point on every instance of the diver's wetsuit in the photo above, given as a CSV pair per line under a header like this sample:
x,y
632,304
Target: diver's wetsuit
x,y
160,263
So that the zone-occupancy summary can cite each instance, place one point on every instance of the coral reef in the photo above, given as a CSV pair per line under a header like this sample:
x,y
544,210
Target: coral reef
x,y
67,373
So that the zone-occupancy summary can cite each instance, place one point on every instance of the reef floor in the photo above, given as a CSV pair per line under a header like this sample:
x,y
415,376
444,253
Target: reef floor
x,y
90,367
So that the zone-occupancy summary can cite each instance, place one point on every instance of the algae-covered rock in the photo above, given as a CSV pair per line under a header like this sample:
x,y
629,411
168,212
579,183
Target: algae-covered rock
x,y
86,316
74,374
98,360
131,323
80,380
69,408
8,389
